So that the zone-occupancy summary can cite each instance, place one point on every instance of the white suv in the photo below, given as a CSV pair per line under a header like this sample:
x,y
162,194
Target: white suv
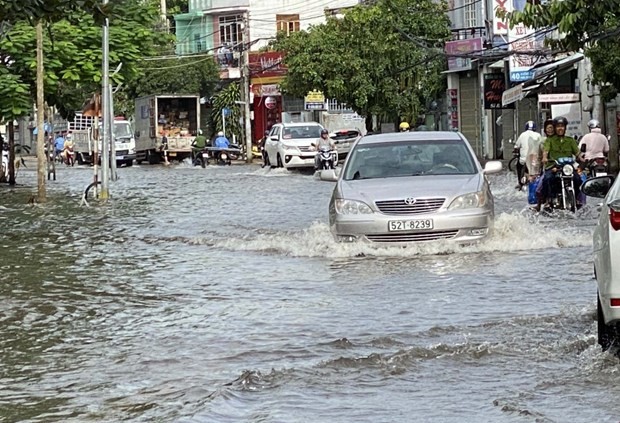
x,y
289,144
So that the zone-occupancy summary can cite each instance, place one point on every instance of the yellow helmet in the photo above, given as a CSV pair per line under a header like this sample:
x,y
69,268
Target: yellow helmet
x,y
404,126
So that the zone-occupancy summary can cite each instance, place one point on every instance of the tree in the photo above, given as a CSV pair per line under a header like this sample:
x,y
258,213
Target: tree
x,y
226,98
367,59
591,26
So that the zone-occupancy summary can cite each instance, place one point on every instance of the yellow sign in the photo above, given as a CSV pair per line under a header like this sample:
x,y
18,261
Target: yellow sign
x,y
315,97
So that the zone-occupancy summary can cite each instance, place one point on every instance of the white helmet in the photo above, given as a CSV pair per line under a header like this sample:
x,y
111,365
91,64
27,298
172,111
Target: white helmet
x,y
200,132
594,124
220,134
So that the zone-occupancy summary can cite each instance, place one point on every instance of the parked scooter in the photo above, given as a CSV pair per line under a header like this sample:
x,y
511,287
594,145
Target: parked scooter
x,y
327,158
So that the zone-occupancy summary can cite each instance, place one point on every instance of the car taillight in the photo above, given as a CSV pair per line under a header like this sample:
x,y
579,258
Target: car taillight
x,y
614,216
614,302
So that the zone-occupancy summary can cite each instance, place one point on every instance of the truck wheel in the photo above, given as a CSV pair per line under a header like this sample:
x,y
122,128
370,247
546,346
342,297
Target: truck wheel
x,y
128,163
80,159
152,157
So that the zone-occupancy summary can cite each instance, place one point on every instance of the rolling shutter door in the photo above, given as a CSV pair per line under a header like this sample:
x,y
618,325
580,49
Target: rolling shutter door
x,y
469,102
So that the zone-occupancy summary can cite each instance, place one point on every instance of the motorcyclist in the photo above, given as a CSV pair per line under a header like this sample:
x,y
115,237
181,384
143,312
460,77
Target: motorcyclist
x,y
198,144
324,141
67,152
261,147
404,127
557,146
221,141
528,140
593,145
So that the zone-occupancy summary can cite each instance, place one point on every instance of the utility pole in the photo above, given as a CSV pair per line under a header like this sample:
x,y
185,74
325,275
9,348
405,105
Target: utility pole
x,y
245,84
164,12
613,134
105,105
113,173
41,156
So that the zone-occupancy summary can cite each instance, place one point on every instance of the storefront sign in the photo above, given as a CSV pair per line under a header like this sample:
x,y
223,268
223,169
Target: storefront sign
x,y
523,39
453,109
512,95
270,103
494,87
315,100
559,98
265,90
461,47
500,26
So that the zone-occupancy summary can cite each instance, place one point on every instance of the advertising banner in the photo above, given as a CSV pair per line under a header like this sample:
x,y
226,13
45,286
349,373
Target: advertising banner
x,y
461,47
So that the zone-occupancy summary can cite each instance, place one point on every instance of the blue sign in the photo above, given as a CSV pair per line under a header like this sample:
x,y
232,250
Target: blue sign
x,y
226,111
521,76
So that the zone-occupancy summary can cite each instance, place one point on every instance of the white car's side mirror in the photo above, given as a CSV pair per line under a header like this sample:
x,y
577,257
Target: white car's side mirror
x,y
492,167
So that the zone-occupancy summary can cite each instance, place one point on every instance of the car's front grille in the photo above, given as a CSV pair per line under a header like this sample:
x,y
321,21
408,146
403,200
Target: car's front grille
x,y
306,150
412,237
420,205
122,152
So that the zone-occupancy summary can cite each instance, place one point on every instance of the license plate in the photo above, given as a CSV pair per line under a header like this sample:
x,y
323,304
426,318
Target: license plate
x,y
409,225
120,157
172,154
205,155
601,173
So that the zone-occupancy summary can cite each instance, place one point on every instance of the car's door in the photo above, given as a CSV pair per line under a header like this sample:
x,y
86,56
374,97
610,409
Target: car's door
x,y
272,142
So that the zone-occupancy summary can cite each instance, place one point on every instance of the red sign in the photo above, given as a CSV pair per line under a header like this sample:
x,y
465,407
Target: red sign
x,y
453,109
457,48
270,102
266,64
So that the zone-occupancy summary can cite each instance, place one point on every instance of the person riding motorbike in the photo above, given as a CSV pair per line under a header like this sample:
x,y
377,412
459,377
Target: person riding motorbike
x,y
528,140
557,146
198,145
324,141
68,156
593,145
404,127
221,141
261,148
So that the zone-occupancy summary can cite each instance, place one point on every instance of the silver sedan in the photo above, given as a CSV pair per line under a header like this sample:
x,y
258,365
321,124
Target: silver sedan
x,y
410,187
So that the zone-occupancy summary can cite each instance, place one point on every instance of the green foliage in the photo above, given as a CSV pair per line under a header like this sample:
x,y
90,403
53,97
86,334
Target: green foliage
x,y
53,10
226,98
590,25
365,60
14,96
73,53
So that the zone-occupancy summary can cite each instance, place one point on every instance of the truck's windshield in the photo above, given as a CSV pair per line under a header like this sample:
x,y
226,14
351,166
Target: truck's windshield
x,y
122,130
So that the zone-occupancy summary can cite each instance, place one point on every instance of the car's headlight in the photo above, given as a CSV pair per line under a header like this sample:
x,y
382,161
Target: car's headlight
x,y
289,147
568,170
352,207
469,201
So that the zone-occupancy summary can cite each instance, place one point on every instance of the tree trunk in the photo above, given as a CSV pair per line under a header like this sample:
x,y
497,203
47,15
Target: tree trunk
x,y
41,156
11,152
368,122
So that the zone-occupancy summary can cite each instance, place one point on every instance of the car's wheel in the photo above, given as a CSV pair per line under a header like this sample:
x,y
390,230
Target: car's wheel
x,y
279,161
607,335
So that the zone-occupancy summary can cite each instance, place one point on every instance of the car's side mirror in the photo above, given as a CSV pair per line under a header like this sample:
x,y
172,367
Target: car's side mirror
x,y
274,138
492,167
329,175
597,187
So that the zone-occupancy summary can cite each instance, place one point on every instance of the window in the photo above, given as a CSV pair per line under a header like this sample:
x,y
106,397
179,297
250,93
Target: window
x,y
469,14
230,30
287,23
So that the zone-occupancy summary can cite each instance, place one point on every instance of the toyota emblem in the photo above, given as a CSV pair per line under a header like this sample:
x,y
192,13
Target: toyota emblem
x,y
410,201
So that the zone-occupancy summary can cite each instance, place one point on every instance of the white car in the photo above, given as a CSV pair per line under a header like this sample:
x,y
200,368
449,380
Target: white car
x,y
344,139
606,246
289,145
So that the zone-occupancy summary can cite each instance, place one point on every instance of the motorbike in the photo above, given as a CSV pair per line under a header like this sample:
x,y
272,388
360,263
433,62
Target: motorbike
x,y
202,158
224,156
327,158
68,156
562,185
597,167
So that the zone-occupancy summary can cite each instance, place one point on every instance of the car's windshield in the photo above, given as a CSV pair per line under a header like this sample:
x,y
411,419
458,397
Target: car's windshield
x,y
410,158
300,132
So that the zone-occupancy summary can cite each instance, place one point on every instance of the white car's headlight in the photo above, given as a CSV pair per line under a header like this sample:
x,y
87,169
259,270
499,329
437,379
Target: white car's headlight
x,y
352,207
472,200
568,170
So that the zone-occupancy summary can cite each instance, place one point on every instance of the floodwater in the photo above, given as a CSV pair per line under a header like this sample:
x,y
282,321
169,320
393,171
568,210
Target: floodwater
x,y
218,295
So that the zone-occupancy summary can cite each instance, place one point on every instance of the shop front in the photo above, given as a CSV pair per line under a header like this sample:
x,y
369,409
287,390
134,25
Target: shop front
x,y
266,74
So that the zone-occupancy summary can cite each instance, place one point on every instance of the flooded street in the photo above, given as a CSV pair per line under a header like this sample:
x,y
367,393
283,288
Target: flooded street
x,y
219,295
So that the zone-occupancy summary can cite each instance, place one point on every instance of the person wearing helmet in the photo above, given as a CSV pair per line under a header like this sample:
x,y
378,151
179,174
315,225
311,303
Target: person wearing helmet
x,y
528,142
221,141
324,141
198,144
403,127
557,146
593,145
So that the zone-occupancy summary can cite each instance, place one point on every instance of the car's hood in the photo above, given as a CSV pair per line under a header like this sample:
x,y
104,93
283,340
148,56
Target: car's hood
x,y
381,189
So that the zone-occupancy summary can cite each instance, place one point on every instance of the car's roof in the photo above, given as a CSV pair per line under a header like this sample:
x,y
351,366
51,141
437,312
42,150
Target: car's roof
x,y
300,124
411,136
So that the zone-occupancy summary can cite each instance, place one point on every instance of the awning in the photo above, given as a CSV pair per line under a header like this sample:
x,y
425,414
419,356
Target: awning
x,y
542,75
